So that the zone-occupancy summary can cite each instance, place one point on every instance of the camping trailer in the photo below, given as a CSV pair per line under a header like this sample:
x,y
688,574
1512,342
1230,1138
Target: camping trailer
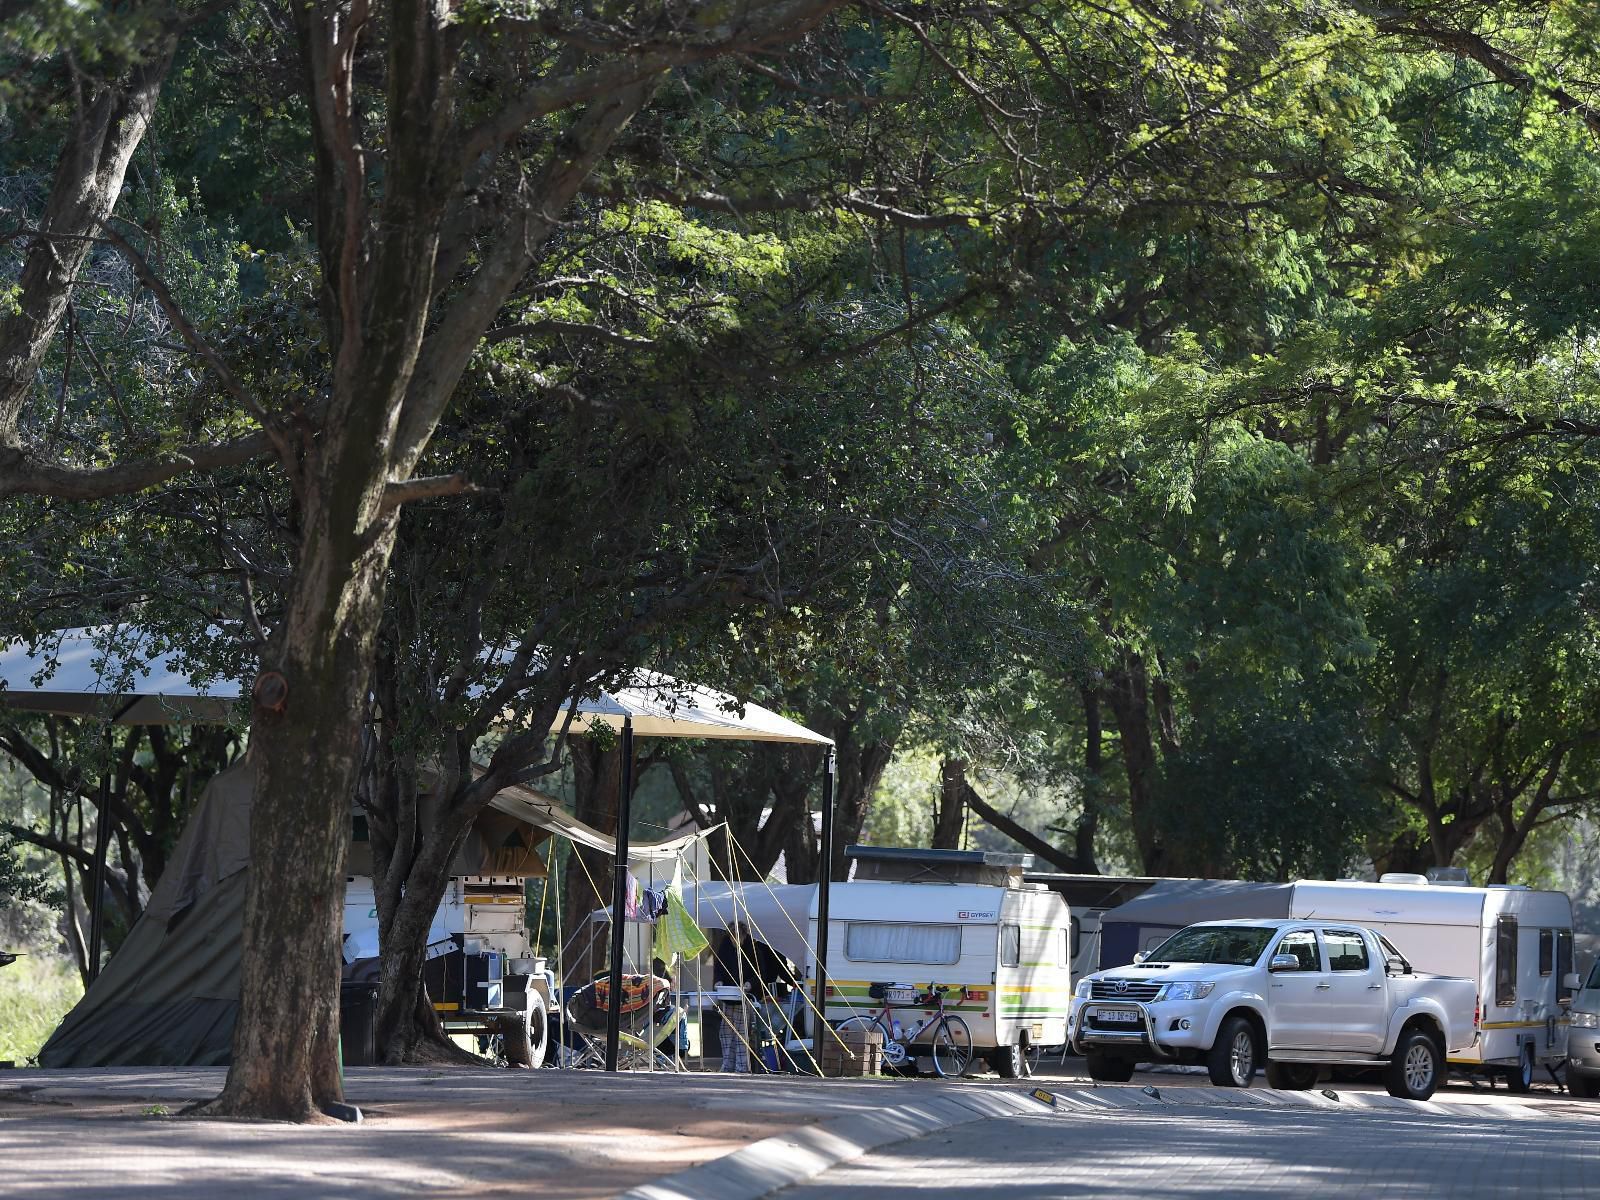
x,y
1089,898
915,919
1516,942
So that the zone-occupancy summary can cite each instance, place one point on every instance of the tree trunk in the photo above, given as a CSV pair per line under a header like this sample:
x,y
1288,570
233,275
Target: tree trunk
x,y
951,817
859,767
1024,837
306,718
1127,694
1088,824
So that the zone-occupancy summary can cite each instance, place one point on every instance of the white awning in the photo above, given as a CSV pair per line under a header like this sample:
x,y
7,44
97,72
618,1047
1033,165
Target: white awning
x,y
661,706
111,672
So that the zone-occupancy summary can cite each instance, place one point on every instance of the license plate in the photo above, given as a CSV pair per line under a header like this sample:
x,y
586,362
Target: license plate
x,y
1116,1016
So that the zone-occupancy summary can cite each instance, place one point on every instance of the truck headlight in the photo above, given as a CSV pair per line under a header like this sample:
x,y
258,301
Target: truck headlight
x,y
1586,1020
1083,989
1184,991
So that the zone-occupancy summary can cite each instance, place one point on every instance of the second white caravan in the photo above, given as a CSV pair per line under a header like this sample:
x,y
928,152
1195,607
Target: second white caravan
x,y
1515,942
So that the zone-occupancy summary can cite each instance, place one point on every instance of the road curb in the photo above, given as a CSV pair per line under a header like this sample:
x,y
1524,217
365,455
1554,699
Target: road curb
x,y
764,1167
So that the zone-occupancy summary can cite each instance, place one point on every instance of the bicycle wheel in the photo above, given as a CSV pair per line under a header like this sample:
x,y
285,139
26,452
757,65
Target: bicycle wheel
x,y
894,1054
952,1048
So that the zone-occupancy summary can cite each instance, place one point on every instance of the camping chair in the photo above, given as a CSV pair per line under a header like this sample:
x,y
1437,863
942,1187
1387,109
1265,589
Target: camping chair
x,y
584,1029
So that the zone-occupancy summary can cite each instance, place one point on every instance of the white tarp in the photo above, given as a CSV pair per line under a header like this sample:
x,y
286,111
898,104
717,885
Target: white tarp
x,y
777,914
109,672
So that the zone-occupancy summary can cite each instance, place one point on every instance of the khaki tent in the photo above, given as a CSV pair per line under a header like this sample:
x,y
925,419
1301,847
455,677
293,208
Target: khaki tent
x,y
169,995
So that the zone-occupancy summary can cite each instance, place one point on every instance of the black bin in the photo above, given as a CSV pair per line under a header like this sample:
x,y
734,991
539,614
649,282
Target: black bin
x,y
358,1011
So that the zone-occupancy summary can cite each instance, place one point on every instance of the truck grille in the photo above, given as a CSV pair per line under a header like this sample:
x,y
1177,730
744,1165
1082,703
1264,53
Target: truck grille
x,y
1123,989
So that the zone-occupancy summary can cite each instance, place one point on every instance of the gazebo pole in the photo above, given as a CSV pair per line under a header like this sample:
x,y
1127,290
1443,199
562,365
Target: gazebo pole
x,y
824,875
619,896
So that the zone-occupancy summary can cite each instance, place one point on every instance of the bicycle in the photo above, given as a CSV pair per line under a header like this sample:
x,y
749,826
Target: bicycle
x,y
947,1036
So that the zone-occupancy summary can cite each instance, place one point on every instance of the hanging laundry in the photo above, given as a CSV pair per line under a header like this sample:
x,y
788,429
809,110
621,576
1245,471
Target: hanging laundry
x,y
630,908
652,903
676,932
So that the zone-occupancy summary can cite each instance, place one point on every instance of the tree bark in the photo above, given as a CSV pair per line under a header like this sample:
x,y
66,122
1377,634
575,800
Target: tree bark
x,y
951,816
1088,824
1023,836
1126,692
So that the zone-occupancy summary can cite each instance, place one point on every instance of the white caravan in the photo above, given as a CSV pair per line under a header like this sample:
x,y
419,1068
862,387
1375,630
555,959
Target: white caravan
x,y
1515,942
1009,945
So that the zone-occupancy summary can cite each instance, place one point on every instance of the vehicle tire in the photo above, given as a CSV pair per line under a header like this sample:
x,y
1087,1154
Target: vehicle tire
x,y
1520,1077
894,1053
1233,1058
1017,1061
1583,1087
1106,1068
1291,1077
1415,1068
952,1048
525,1038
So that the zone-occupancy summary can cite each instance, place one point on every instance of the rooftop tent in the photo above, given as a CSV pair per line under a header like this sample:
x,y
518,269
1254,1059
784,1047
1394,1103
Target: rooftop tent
x,y
169,996
1169,905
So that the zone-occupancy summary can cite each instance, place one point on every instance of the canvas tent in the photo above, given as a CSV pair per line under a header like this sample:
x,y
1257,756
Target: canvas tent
x,y
169,996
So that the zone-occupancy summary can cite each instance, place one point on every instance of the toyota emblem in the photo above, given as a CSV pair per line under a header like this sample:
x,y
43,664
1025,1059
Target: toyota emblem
x,y
1119,985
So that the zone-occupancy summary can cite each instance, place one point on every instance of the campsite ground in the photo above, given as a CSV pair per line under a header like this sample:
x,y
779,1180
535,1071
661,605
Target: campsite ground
x,y
570,1136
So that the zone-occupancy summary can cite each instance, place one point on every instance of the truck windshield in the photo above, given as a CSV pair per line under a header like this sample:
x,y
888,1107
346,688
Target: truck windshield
x,y
1232,945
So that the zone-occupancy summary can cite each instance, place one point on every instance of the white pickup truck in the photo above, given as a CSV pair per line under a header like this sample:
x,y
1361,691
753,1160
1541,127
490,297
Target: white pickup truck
x,y
1292,995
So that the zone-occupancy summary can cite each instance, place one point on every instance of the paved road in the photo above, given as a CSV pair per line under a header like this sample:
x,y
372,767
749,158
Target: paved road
x,y
1196,1151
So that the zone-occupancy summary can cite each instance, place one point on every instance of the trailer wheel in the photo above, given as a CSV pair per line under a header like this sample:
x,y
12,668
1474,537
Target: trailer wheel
x,y
525,1035
1520,1077
1291,1077
1106,1068
1415,1068
1016,1061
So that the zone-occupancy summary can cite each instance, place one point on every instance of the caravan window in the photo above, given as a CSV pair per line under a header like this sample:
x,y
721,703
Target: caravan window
x,y
881,941
1563,963
1010,945
1074,942
1505,962
1547,951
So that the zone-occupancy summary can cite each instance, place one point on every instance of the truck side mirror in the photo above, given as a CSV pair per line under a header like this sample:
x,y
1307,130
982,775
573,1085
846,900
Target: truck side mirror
x,y
1284,962
1395,965
1571,983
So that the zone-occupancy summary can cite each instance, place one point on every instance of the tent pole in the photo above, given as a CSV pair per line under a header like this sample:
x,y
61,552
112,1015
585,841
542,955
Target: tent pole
x,y
619,896
829,772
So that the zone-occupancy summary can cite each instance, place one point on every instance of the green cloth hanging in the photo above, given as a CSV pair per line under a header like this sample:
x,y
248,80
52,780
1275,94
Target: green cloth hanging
x,y
676,932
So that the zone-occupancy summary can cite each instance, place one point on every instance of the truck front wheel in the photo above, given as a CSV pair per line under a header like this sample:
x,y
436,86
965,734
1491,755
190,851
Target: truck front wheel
x,y
1105,1068
1415,1067
1232,1059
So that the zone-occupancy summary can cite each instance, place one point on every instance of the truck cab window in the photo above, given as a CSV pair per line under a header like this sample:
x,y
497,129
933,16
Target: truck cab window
x,y
1347,950
1303,945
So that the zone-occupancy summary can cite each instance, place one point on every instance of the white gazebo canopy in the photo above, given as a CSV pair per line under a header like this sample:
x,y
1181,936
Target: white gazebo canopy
x,y
113,672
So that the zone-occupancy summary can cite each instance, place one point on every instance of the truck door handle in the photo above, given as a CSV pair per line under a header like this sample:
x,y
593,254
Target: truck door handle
x,y
1374,987
1322,987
